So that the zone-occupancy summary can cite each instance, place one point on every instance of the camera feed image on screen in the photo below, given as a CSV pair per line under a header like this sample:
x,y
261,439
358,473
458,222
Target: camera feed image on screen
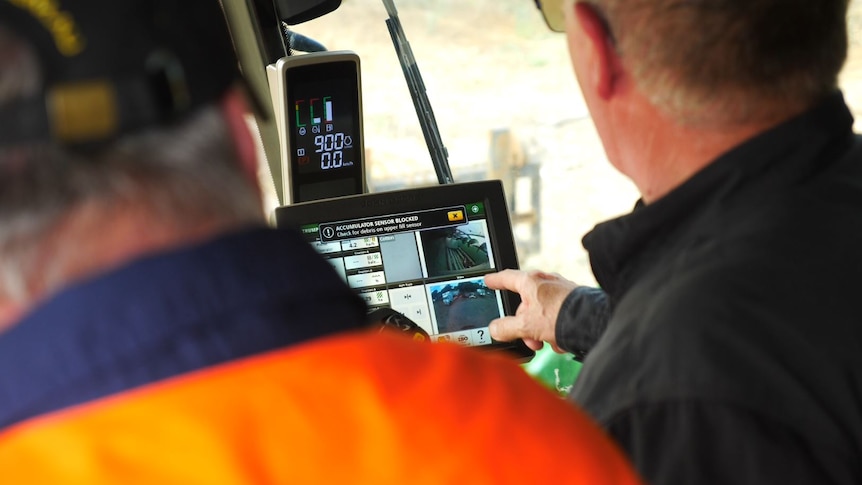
x,y
427,265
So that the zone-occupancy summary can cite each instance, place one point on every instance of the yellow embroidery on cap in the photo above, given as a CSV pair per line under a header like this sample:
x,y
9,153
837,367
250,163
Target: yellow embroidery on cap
x,y
60,24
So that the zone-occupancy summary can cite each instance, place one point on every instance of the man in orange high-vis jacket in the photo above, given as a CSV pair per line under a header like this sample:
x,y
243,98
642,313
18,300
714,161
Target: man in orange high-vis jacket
x,y
133,246
365,408
153,330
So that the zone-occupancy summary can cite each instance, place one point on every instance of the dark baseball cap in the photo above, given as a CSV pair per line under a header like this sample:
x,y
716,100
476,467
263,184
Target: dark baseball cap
x,y
111,67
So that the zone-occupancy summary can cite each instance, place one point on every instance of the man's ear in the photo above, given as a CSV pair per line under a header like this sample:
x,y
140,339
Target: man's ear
x,y
234,108
10,313
605,71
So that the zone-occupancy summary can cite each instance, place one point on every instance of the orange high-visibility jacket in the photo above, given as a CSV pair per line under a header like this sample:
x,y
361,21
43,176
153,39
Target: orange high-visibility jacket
x,y
361,408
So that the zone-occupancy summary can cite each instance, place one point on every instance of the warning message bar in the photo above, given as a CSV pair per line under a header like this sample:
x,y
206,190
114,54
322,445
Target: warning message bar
x,y
376,226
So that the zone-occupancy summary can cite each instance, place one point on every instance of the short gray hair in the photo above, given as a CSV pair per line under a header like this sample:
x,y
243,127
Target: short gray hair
x,y
730,60
183,174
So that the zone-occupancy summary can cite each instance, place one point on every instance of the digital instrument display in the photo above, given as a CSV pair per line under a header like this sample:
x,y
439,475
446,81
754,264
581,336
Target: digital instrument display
x,y
322,114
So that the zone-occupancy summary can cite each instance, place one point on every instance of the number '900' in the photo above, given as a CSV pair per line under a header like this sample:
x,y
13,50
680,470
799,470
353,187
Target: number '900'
x,y
329,147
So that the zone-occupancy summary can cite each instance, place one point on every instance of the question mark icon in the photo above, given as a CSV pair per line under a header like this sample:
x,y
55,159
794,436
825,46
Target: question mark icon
x,y
482,334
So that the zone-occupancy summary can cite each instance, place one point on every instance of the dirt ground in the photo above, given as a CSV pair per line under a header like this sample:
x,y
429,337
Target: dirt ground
x,y
489,65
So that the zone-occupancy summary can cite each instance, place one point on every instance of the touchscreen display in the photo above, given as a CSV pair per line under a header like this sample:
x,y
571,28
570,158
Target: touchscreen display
x,y
427,264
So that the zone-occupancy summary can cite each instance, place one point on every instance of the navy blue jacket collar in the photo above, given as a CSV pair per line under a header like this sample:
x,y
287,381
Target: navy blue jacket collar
x,y
170,313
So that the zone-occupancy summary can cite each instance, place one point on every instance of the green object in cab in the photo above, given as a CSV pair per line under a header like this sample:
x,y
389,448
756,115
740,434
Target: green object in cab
x,y
556,371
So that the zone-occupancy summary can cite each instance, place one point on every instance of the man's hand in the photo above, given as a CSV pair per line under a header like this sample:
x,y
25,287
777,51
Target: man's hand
x,y
542,295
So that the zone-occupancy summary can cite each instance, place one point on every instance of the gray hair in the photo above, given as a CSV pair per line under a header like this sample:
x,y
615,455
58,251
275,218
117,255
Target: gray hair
x,y
180,174
730,61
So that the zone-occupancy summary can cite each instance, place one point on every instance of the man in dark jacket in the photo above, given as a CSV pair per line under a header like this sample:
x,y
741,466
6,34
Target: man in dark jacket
x,y
725,343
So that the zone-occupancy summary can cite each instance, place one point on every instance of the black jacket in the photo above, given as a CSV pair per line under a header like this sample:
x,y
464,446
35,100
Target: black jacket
x,y
732,347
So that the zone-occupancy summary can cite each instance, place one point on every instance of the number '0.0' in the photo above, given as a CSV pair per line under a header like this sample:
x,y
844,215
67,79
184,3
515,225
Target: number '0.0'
x,y
331,160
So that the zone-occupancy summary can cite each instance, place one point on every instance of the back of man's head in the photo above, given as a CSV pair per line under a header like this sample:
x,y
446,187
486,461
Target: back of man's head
x,y
108,110
730,61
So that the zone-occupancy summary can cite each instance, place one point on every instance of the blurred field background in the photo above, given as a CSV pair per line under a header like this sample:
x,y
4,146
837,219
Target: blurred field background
x,y
492,65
